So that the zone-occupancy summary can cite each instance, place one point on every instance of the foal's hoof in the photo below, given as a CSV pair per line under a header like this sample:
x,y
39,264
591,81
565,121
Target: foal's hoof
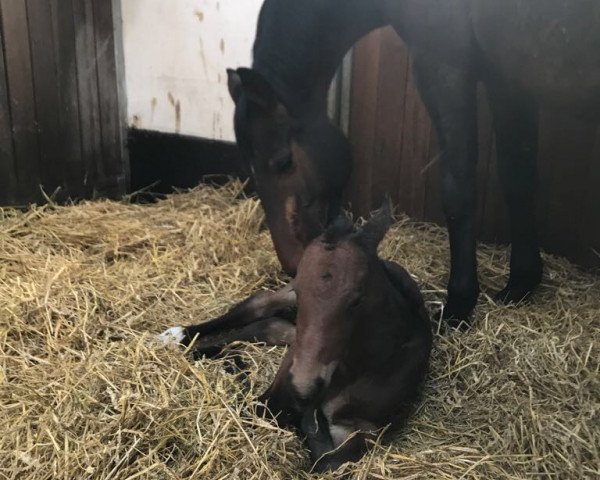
x,y
329,463
261,410
173,336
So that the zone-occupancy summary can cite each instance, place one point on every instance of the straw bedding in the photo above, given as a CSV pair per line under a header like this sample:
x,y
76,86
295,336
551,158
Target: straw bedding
x,y
87,392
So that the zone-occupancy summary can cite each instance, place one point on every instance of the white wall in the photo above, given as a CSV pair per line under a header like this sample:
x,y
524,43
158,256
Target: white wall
x,y
176,53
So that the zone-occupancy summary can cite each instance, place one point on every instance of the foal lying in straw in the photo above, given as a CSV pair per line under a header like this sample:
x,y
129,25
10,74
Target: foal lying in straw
x,y
359,349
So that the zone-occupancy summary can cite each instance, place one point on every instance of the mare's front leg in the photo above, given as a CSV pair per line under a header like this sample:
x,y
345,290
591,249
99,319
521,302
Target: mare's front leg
x,y
449,95
516,125
260,306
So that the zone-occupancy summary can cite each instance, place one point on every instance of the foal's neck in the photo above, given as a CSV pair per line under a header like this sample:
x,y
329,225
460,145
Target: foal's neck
x,y
300,43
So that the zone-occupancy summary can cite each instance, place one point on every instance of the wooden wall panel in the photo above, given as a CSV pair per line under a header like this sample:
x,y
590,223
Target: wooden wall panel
x,y
63,22
8,179
566,159
362,127
46,93
61,122
112,167
19,77
592,202
396,153
87,77
389,117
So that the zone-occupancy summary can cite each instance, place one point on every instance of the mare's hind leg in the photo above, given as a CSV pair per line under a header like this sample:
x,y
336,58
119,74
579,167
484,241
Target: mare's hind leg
x,y
257,307
516,125
272,331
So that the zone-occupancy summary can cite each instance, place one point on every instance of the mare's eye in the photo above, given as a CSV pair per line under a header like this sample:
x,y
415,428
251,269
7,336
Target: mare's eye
x,y
355,302
283,164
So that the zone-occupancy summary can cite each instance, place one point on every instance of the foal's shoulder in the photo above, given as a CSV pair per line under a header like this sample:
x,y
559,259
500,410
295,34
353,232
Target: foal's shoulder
x,y
402,279
406,286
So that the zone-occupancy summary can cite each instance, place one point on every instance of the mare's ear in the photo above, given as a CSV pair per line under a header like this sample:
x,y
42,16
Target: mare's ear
x,y
380,222
256,88
234,83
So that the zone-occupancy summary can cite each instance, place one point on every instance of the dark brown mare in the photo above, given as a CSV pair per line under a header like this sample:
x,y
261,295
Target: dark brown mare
x,y
524,51
359,350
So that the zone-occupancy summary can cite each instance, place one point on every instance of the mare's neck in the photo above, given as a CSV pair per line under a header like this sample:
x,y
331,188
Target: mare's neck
x,y
300,43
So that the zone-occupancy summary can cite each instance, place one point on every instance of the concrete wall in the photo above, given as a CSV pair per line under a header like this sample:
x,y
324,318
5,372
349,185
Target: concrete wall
x,y
176,53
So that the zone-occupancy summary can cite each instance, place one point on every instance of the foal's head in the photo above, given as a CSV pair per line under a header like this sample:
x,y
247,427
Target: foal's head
x,y
340,278
299,165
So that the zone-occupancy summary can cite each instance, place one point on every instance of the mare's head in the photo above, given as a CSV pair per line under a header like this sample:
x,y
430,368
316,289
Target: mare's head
x,y
300,166
341,279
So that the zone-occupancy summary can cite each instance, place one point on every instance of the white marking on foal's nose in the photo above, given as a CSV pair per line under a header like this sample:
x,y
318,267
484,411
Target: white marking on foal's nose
x,y
173,335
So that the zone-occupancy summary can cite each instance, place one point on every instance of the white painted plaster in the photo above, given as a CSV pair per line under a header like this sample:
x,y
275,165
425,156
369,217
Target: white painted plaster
x,y
176,53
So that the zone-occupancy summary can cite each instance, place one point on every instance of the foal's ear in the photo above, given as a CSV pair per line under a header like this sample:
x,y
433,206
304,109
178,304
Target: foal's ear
x,y
378,225
256,88
234,83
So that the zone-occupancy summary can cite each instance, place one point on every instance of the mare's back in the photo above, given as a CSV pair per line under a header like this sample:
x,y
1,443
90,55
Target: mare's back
x,y
550,47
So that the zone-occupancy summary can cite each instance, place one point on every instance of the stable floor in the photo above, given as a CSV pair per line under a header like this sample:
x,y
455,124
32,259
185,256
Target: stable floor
x,y
86,391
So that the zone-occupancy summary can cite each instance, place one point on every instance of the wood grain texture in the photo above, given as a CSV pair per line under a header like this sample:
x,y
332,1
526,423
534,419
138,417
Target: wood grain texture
x,y
61,112
46,94
89,108
362,127
19,76
8,175
63,25
590,219
389,118
111,169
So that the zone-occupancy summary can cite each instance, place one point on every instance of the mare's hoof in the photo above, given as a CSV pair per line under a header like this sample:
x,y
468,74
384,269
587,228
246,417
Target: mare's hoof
x,y
522,283
173,336
454,323
457,315
514,294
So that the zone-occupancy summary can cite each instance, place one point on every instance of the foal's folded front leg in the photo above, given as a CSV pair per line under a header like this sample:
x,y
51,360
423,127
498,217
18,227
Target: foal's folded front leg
x,y
334,436
260,306
281,398
300,384
272,331
351,450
